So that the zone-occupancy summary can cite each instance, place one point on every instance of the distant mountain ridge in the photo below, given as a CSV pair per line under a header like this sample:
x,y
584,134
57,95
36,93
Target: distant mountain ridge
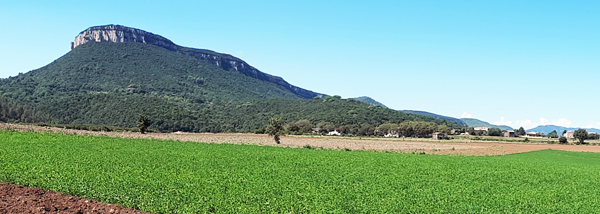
x,y
549,128
437,116
476,122
369,100
122,34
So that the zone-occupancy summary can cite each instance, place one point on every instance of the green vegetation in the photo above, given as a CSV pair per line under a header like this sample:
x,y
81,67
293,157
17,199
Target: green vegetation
x,y
15,113
112,83
185,177
275,128
143,122
581,135
562,140
369,100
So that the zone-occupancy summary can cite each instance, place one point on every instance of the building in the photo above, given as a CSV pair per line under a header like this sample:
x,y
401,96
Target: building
x,y
569,134
509,133
317,130
337,132
438,136
531,134
391,135
481,128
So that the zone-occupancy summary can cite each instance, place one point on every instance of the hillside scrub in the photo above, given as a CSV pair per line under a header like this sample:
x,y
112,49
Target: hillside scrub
x,y
110,84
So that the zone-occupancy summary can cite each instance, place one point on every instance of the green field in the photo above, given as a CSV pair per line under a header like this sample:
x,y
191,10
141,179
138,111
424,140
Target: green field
x,y
186,177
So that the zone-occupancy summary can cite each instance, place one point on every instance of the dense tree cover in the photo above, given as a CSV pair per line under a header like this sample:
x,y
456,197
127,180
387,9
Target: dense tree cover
x,y
495,132
113,83
15,113
520,131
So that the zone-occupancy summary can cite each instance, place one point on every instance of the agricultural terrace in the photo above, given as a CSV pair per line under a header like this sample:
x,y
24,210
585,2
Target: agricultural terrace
x,y
161,176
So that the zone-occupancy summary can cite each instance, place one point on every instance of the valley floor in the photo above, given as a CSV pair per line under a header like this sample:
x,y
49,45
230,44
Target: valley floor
x,y
408,145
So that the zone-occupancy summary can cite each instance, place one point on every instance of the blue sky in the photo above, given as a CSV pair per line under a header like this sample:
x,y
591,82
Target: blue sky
x,y
518,63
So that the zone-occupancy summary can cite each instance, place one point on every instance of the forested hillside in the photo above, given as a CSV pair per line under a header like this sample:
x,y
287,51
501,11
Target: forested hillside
x,y
112,83
14,113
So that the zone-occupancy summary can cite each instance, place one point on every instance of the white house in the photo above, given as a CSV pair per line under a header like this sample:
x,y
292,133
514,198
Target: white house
x,y
531,134
481,128
334,132
569,134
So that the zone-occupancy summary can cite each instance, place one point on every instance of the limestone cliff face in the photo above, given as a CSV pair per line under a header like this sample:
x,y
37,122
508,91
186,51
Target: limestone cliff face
x,y
118,33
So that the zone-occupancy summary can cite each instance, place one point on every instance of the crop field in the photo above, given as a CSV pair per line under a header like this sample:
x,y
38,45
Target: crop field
x,y
161,176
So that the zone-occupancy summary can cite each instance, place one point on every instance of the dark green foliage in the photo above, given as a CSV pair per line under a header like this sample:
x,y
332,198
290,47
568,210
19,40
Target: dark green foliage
x,y
107,83
275,128
494,132
562,140
553,134
143,123
14,113
520,131
581,135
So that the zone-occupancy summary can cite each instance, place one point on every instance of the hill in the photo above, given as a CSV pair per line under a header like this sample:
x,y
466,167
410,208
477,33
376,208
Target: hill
x,y
475,122
437,116
110,83
369,100
559,129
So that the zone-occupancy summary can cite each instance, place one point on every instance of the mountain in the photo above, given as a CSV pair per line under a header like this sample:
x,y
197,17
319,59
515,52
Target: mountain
x,y
475,122
113,75
549,128
122,34
369,100
441,117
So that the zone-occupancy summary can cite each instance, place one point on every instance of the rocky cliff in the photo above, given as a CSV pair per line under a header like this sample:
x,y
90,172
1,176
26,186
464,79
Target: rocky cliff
x,y
118,33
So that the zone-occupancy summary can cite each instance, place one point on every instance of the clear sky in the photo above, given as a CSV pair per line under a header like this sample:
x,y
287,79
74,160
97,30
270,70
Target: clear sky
x,y
518,63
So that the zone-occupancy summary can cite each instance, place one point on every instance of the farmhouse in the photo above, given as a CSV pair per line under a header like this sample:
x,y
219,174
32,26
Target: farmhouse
x,y
391,135
438,136
569,134
531,134
509,133
337,132
481,128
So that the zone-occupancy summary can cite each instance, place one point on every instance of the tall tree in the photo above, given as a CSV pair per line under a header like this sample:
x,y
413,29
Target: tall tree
x,y
581,135
143,123
275,128
553,134
520,131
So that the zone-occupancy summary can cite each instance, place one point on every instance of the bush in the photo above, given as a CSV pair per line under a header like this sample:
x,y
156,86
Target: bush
x,y
562,140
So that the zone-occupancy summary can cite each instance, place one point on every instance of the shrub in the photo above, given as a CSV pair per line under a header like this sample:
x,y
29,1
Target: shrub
x,y
562,140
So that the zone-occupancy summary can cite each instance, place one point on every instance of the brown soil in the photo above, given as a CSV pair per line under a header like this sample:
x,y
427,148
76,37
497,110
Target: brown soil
x,y
20,199
374,144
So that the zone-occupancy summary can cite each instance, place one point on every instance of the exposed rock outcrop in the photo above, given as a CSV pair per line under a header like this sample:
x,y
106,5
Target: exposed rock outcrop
x,y
118,33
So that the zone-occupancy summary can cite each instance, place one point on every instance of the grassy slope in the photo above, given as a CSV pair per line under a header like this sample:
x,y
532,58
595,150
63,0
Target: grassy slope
x,y
168,177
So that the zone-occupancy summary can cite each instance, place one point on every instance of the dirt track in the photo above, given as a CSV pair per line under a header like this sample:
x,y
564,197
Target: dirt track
x,y
374,144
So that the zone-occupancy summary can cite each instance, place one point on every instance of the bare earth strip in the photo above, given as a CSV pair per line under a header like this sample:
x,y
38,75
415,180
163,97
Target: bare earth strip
x,y
21,199
374,144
